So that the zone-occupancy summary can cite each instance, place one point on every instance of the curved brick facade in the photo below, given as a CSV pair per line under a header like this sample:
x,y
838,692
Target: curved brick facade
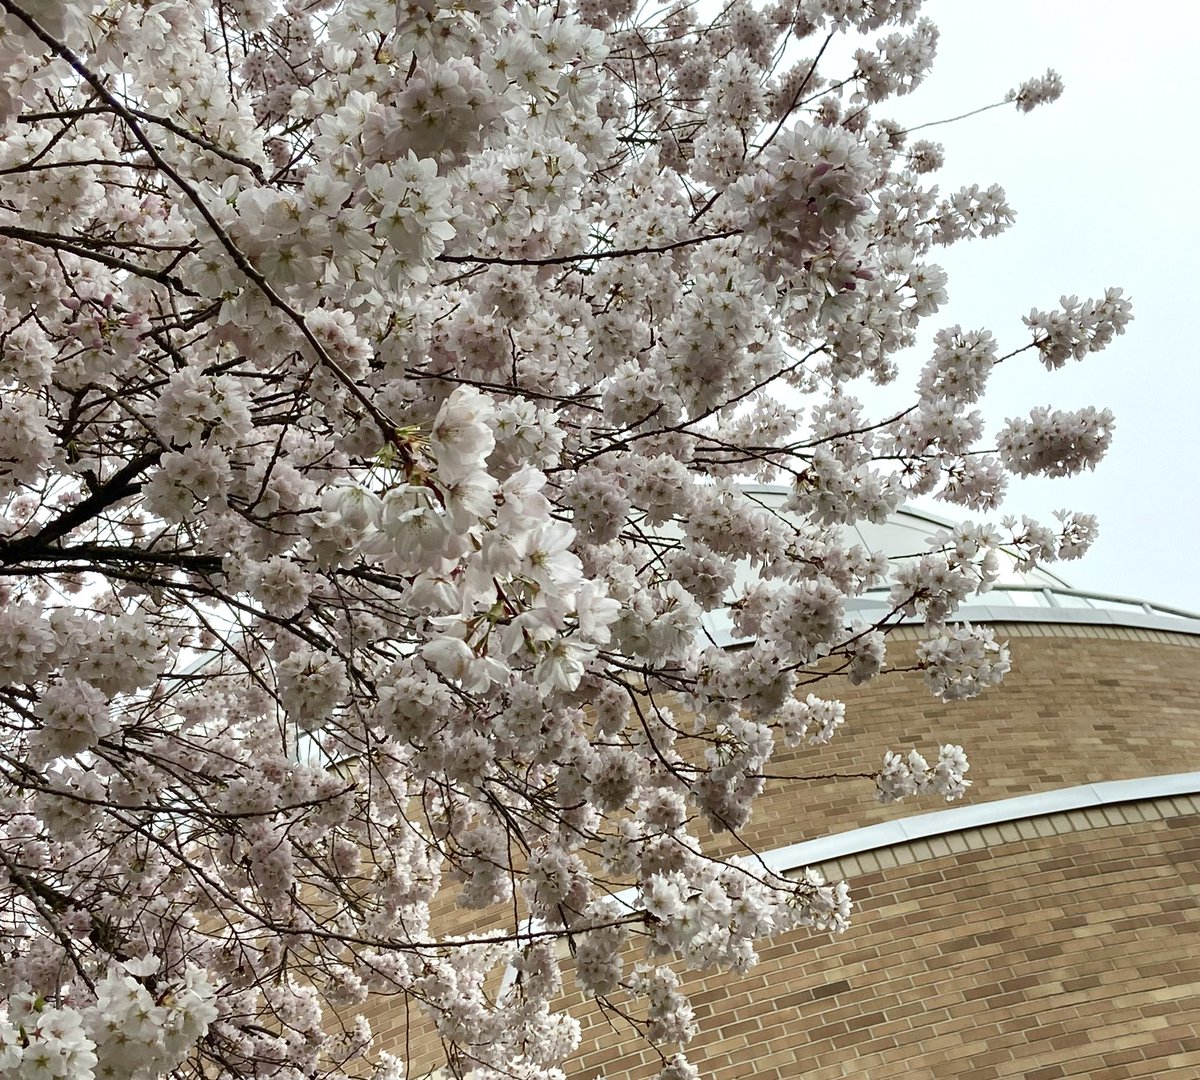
x,y
1071,954
1061,946
1082,704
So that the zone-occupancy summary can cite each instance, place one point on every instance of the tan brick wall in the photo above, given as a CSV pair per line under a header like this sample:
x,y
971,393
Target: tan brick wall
x,y
1082,704
1072,954
1036,950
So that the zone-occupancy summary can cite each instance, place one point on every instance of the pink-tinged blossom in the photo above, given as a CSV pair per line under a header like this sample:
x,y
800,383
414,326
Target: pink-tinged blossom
x,y
596,613
1056,443
453,658
461,438
905,776
963,662
1079,327
74,716
1037,91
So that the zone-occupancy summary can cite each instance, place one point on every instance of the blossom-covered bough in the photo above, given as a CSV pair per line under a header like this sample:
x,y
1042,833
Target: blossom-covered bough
x,y
378,381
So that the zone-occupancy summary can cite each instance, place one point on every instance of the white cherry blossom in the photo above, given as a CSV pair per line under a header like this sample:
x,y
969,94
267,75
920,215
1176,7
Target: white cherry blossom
x,y
380,388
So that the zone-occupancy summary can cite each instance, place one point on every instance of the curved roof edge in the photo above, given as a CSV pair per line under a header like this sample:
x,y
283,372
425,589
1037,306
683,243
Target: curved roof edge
x,y
1063,607
1029,596
977,815
1058,610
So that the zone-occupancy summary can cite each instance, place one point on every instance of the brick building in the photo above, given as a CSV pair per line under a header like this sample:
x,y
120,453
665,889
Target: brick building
x,y
1046,926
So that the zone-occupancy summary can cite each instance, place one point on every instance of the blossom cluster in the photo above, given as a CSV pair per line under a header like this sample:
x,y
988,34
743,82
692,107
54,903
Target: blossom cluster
x,y
1037,91
911,774
380,385
127,1032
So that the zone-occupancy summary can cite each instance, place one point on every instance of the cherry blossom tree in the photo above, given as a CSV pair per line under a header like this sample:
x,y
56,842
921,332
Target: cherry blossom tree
x,y
380,384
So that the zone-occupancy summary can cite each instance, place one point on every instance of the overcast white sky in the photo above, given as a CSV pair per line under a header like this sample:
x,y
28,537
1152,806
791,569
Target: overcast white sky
x,y
1102,182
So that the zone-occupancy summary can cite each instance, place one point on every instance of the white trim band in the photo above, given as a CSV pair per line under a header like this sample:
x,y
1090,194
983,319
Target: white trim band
x,y
960,818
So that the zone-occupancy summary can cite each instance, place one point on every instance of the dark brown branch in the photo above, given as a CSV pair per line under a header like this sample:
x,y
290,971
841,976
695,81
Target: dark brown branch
x,y
121,485
562,260
84,249
98,553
